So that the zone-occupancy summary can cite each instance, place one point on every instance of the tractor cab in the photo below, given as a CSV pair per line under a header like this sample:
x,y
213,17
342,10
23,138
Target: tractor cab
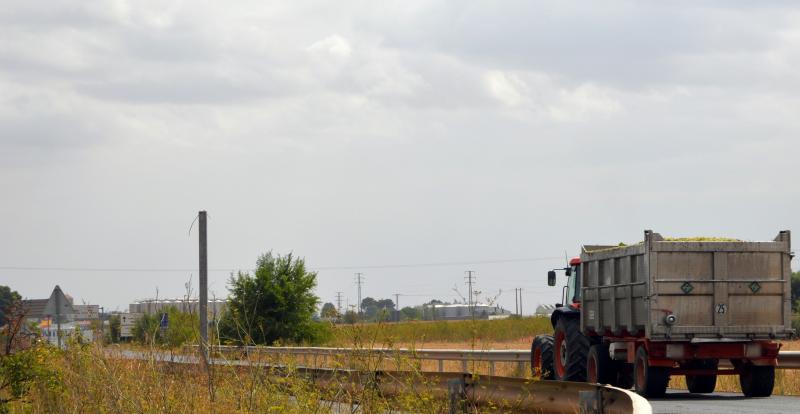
x,y
571,292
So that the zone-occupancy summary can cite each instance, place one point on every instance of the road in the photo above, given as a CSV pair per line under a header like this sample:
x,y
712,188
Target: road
x,y
680,402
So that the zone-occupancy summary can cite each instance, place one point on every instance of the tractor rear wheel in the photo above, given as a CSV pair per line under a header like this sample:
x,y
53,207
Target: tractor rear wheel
x,y
571,349
600,369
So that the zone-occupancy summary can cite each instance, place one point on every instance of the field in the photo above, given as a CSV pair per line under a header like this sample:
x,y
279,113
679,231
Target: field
x,y
85,379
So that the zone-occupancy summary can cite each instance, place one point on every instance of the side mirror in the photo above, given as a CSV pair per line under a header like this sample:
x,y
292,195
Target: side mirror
x,y
551,278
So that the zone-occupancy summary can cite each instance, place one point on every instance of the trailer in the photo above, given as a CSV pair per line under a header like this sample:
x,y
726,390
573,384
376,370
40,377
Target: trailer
x,y
632,316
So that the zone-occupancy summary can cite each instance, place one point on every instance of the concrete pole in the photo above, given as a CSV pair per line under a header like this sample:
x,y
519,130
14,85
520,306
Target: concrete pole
x,y
203,305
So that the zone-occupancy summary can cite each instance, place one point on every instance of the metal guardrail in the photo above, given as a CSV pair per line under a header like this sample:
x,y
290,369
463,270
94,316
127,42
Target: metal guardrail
x,y
786,359
465,392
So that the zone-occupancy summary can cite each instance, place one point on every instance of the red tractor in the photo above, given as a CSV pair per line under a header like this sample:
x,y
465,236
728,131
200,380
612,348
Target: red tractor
x,y
632,316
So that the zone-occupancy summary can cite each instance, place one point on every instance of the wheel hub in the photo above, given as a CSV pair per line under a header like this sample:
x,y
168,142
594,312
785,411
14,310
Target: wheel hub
x,y
563,351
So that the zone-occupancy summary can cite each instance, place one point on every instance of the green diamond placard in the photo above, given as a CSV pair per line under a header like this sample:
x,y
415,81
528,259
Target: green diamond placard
x,y
754,287
687,287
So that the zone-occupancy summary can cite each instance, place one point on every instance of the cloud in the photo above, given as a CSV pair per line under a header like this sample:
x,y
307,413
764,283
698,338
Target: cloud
x,y
395,131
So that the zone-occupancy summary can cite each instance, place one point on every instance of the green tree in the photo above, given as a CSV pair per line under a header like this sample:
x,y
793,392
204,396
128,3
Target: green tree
x,y
114,329
182,327
410,313
8,298
276,303
328,311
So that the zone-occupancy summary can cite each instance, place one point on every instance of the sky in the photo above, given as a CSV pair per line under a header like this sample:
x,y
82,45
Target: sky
x,y
407,140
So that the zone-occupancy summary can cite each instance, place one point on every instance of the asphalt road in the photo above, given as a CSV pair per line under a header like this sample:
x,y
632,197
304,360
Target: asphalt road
x,y
679,402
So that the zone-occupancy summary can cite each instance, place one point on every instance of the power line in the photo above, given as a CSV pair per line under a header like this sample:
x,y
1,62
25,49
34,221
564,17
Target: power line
x,y
231,269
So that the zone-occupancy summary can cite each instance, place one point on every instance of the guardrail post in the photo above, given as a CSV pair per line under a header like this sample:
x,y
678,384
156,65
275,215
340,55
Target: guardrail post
x,y
441,365
491,368
464,365
457,393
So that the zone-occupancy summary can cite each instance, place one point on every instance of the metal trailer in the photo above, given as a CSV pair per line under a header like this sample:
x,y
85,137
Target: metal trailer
x,y
635,315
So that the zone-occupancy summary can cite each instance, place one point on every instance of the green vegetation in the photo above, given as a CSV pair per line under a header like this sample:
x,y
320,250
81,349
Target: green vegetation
x,y
85,379
24,369
114,329
480,331
328,311
8,298
181,328
276,304
701,239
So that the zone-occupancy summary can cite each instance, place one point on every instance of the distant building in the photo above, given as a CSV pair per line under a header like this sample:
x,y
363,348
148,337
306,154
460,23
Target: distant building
x,y
545,310
215,306
58,316
459,311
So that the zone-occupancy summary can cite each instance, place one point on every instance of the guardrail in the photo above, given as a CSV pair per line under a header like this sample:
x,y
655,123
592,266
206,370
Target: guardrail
x,y
465,392
786,359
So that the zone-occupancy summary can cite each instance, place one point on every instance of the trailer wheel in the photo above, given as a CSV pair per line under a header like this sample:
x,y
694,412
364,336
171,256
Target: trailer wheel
x,y
702,384
571,349
649,381
757,381
600,369
542,357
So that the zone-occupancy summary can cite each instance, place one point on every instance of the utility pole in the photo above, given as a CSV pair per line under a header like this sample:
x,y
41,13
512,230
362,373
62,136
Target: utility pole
x,y
397,306
520,301
100,317
359,280
516,302
339,303
203,305
58,317
470,280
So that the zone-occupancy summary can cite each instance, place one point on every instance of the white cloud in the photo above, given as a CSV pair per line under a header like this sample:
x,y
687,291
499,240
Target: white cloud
x,y
405,131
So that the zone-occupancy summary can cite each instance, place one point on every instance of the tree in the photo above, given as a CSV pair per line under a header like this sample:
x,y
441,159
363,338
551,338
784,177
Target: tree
x,y
182,327
114,329
795,291
410,313
276,303
328,311
8,298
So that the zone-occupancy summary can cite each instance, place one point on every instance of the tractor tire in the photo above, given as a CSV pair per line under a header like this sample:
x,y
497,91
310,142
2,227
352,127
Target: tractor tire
x,y
757,381
571,349
702,384
542,357
649,381
600,368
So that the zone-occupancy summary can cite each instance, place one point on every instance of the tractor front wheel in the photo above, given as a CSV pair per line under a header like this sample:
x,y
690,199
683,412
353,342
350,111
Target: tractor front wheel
x,y
571,350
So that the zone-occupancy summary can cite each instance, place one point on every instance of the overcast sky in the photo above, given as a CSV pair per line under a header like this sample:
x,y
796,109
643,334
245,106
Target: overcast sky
x,y
360,134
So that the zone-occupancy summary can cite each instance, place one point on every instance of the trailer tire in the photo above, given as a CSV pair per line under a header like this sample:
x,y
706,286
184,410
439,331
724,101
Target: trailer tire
x,y
757,381
600,369
571,349
702,384
649,381
542,357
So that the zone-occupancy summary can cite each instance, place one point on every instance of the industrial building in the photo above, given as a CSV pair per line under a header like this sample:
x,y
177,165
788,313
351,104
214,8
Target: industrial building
x,y
57,316
460,311
149,306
